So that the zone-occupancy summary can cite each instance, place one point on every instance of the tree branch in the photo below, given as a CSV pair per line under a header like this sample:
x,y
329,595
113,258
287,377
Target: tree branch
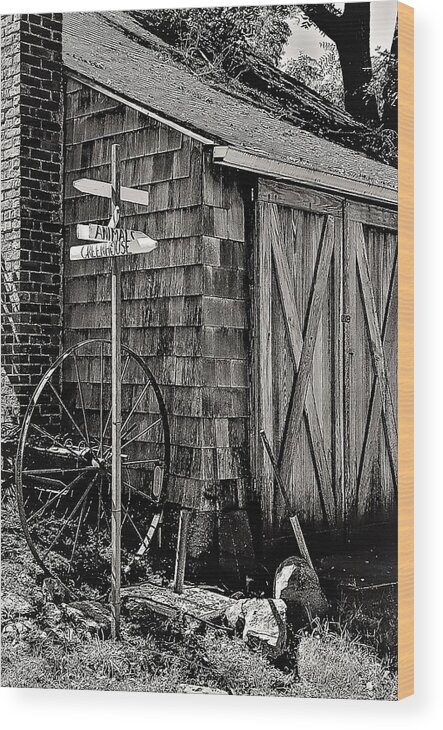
x,y
325,21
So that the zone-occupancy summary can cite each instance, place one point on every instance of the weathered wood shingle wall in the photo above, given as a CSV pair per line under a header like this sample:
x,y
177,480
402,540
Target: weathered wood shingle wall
x,y
162,291
225,315
185,304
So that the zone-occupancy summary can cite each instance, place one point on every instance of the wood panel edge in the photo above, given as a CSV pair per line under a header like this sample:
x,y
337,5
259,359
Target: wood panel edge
x,y
406,352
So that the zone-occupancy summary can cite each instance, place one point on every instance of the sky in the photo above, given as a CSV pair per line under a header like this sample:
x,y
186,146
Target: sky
x,y
383,15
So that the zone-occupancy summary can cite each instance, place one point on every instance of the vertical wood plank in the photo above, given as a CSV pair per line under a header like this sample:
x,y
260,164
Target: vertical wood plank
x,y
305,365
265,358
369,448
376,345
337,375
348,334
295,338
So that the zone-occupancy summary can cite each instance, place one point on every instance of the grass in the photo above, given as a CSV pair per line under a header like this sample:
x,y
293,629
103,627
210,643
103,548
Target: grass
x,y
159,656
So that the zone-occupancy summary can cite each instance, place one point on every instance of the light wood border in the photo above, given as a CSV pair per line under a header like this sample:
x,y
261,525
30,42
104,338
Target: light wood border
x,y
406,351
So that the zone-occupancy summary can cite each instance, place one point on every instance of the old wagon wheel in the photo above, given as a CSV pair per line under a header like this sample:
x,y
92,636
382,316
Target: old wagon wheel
x,y
63,465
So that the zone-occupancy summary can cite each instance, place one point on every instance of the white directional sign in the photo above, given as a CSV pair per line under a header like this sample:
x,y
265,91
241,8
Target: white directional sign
x,y
104,190
107,242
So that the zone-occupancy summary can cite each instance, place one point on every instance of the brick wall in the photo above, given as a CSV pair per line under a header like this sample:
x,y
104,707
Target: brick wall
x,y
32,129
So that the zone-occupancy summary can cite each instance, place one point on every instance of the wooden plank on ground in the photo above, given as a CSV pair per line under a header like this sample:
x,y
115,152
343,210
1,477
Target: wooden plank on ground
x,y
198,603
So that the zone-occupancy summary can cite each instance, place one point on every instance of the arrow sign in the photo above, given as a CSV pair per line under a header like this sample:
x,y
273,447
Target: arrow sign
x,y
109,242
104,190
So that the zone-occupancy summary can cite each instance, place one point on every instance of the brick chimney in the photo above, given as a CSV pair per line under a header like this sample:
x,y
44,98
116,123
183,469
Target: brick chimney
x,y
31,225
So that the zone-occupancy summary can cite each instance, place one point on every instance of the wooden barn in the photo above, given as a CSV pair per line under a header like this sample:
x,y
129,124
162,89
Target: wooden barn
x,y
271,299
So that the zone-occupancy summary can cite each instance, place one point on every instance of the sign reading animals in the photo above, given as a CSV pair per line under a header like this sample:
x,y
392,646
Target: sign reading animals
x,y
110,242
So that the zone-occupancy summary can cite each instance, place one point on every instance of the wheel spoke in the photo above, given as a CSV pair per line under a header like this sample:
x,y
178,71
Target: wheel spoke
x,y
37,472
134,489
110,410
70,416
66,488
99,509
136,404
46,480
144,461
77,532
132,523
82,402
109,447
69,517
102,376
142,433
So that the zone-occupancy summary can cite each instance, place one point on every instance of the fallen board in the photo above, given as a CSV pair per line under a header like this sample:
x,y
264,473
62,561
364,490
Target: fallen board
x,y
198,603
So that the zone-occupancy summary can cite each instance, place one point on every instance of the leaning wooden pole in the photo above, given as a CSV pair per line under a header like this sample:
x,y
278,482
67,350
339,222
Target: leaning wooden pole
x,y
295,524
116,407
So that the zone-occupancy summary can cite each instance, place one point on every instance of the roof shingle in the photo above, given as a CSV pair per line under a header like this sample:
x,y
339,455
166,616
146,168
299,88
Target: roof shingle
x,y
113,50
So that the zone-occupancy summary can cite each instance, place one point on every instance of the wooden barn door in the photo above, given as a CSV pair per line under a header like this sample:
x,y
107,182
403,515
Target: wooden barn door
x,y
325,354
370,363
298,353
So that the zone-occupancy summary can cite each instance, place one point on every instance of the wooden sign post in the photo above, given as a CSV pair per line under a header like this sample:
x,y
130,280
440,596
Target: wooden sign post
x,y
113,242
116,395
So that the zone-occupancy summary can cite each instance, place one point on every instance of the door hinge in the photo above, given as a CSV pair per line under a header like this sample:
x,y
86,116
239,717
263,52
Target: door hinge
x,y
346,318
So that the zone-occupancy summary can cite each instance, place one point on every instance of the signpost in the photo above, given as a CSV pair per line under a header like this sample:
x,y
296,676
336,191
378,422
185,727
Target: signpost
x,y
113,242
108,241
104,190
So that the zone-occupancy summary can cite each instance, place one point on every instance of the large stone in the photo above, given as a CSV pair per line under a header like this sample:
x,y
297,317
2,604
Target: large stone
x,y
261,621
52,614
53,591
14,605
298,585
90,615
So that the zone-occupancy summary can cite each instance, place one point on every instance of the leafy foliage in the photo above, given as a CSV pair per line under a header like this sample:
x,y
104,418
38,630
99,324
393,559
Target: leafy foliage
x,y
221,36
384,80
323,74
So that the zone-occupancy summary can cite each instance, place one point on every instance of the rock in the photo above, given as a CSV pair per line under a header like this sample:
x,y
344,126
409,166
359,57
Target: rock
x,y
90,615
196,689
298,585
53,591
21,627
234,617
15,605
261,621
52,614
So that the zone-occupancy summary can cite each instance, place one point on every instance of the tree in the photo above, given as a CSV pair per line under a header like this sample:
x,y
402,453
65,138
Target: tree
x,y
349,30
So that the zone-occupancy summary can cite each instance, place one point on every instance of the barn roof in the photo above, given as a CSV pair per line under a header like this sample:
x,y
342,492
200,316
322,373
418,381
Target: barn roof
x,y
111,49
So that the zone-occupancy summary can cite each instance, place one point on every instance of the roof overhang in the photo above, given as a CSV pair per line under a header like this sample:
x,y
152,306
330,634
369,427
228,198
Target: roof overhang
x,y
252,162
258,165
